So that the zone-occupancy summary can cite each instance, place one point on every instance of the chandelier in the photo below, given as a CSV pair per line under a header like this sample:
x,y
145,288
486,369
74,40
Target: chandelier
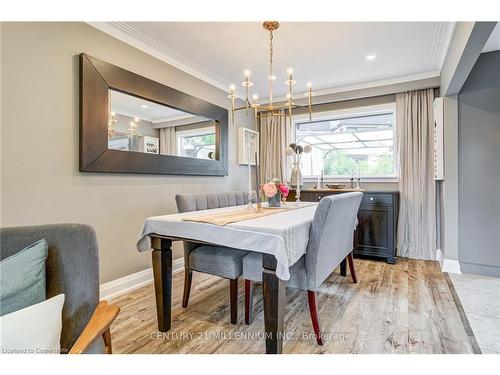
x,y
133,130
270,109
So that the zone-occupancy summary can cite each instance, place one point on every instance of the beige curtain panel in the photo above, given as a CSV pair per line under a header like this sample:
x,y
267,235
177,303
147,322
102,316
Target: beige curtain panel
x,y
415,135
274,133
168,141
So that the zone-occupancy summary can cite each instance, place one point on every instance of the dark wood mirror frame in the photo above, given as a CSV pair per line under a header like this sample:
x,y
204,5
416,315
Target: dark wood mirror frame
x,y
96,78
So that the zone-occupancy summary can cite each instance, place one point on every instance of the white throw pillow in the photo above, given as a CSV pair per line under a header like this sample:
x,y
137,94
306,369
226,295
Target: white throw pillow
x,y
34,329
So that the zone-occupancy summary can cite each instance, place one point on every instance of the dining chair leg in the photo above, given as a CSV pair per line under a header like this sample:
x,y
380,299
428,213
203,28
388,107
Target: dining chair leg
x,y
343,268
233,298
313,310
188,277
248,301
351,267
106,336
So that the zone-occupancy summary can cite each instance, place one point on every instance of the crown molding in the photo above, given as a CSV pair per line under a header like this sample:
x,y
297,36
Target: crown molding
x,y
367,85
446,41
433,50
440,43
135,38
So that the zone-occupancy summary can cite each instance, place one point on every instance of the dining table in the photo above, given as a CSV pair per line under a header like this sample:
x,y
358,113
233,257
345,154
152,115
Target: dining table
x,y
281,237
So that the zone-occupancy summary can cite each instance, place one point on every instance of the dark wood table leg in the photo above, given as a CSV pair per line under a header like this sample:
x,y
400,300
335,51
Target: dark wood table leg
x,y
162,273
248,301
274,305
233,300
343,268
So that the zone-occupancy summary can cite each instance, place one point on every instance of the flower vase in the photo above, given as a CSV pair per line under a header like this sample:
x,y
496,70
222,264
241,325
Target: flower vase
x,y
296,175
275,201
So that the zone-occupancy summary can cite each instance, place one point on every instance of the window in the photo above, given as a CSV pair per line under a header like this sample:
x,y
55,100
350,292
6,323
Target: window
x,y
198,143
343,144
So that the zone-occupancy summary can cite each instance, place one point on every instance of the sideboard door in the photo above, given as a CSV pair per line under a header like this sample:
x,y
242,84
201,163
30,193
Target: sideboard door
x,y
376,232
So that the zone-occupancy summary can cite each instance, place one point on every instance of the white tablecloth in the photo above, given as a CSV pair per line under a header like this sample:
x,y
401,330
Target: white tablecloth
x,y
284,235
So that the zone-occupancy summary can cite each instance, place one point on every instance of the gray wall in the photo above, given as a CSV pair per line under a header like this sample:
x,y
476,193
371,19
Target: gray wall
x,y
479,168
466,44
40,182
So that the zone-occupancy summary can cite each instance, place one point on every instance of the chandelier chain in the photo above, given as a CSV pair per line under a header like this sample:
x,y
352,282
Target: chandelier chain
x,y
271,67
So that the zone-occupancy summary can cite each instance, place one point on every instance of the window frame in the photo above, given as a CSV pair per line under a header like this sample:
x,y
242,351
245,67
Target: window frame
x,y
346,113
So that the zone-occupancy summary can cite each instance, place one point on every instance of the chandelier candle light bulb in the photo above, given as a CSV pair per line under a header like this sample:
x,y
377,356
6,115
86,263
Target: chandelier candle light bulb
x,y
232,96
255,106
247,84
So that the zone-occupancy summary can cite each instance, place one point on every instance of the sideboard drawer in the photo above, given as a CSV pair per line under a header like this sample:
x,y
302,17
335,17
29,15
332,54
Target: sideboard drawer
x,y
378,199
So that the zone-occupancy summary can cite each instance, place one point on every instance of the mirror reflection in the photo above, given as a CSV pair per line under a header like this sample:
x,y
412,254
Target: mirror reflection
x,y
139,125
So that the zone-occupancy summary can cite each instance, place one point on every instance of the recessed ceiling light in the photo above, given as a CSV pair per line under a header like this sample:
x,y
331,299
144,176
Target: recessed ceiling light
x,y
144,106
371,57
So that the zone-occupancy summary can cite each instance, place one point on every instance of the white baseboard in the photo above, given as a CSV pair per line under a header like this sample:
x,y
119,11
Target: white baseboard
x,y
447,265
128,283
440,257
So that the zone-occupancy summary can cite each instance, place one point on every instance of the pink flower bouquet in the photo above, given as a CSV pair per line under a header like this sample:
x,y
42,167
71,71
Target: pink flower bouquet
x,y
273,190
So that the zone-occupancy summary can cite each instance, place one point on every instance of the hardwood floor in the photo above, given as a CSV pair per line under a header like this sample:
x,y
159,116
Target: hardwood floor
x,y
401,308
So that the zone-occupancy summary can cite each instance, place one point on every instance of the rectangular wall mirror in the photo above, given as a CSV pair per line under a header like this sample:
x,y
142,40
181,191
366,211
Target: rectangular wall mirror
x,y
130,124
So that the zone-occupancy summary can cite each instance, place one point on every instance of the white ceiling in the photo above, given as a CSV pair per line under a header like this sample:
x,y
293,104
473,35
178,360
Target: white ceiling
x,y
493,43
331,55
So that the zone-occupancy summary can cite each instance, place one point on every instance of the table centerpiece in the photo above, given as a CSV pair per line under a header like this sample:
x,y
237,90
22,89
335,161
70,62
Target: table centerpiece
x,y
273,191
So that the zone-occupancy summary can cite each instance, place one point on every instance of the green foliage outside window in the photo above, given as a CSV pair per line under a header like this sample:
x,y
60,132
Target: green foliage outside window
x,y
338,163
198,142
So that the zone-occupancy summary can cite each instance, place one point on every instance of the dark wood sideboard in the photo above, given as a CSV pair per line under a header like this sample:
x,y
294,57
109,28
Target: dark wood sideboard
x,y
375,235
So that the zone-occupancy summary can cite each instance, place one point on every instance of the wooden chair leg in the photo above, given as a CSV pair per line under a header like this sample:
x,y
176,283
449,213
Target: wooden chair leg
x,y
188,278
106,336
233,298
343,268
311,298
351,267
248,301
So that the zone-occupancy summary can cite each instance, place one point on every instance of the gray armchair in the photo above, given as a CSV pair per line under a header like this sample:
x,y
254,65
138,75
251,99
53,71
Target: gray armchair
x,y
330,242
214,260
72,268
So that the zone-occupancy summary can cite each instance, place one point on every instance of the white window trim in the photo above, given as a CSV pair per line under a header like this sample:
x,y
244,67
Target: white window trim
x,y
344,113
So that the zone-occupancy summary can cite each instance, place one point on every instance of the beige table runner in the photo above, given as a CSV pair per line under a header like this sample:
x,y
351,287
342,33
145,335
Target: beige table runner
x,y
238,215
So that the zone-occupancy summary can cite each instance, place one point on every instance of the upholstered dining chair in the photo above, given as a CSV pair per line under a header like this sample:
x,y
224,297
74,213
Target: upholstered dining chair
x,y
330,242
214,260
72,268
